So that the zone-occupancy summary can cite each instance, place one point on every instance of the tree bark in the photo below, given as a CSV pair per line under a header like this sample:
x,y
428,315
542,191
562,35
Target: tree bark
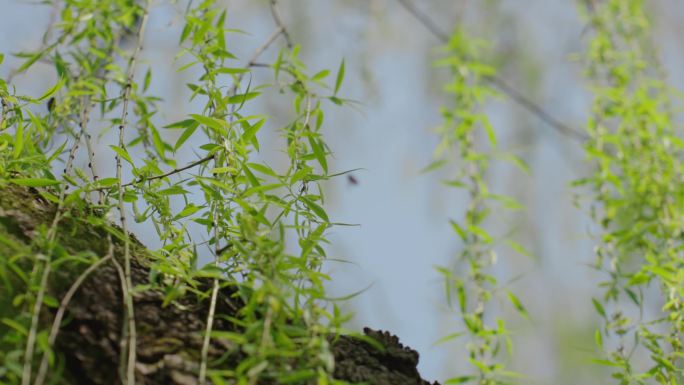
x,y
169,338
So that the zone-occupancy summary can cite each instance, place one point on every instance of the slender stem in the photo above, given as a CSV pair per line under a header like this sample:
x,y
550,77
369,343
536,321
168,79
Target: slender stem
x,y
212,307
166,174
130,373
85,117
31,341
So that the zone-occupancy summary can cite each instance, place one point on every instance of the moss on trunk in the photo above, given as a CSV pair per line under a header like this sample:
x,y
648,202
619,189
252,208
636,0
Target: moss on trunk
x,y
169,337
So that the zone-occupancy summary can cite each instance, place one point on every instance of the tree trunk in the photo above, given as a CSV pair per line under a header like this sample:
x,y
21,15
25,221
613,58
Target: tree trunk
x,y
169,338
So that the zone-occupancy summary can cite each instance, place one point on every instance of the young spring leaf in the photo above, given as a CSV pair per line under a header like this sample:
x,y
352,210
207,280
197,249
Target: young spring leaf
x,y
51,91
122,153
340,77
35,182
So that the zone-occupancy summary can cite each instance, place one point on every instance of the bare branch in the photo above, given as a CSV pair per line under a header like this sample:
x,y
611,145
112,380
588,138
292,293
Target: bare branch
x,y
277,18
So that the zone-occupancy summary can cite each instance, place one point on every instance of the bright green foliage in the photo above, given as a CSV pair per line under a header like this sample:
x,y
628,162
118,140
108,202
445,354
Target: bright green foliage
x,y
638,188
249,209
87,40
465,130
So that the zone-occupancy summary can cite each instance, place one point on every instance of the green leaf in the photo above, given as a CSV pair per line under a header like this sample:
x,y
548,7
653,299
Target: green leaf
x,y
122,153
448,338
56,153
251,131
18,140
32,59
433,166
148,78
598,338
262,188
187,211
217,124
50,301
599,307
187,133
606,362
15,325
232,70
507,201
638,278
320,75
264,169
340,77
299,376
223,170
519,248
319,153
52,89
182,124
318,210
185,33
173,190
480,233
35,182
517,304
459,230
490,130
241,98
459,380
106,182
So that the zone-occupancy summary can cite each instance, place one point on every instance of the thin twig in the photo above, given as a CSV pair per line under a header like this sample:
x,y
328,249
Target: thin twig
x,y
497,82
85,117
164,175
212,310
275,11
130,373
255,56
267,43
31,341
54,330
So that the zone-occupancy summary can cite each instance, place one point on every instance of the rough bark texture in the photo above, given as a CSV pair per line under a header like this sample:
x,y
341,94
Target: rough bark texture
x,y
169,337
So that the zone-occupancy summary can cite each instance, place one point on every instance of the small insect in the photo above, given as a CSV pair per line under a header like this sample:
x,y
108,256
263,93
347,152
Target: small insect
x,y
51,104
352,180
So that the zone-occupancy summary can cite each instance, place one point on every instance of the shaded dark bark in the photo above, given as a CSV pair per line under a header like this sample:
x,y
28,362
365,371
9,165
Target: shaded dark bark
x,y
169,337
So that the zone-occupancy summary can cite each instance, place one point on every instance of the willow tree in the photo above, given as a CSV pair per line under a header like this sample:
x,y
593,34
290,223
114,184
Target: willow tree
x,y
83,301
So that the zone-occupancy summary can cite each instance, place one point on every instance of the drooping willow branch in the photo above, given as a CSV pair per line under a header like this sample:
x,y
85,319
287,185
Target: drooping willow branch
x,y
130,314
637,186
498,82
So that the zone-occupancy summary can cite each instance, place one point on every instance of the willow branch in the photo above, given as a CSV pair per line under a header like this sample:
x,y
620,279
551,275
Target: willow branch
x,y
130,372
277,18
497,82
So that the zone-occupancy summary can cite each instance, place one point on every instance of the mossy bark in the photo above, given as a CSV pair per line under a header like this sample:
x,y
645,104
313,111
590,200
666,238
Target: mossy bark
x,y
169,338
